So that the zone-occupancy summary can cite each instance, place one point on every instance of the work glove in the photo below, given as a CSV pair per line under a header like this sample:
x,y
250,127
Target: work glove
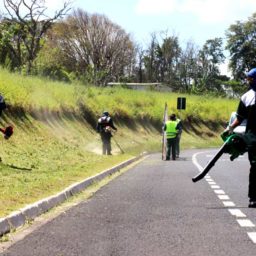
x,y
229,130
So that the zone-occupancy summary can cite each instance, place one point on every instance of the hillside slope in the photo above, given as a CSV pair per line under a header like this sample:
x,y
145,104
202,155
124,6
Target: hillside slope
x,y
55,143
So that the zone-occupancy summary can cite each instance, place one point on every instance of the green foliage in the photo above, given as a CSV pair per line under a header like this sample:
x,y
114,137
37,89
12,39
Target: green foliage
x,y
40,93
53,72
48,64
63,51
55,144
236,88
10,53
241,44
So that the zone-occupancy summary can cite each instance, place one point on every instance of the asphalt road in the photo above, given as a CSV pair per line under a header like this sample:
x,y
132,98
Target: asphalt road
x,y
154,209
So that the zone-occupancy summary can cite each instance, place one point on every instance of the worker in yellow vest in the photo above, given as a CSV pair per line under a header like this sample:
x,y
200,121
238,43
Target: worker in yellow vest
x,y
171,128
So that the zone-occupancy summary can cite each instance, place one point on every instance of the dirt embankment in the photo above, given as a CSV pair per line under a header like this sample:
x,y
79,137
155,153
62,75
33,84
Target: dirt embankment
x,y
77,126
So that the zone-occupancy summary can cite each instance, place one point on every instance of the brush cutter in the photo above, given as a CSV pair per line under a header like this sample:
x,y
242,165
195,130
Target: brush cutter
x,y
118,145
113,132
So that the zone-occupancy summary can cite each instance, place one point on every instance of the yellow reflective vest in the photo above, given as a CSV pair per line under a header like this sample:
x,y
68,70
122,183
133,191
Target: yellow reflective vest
x,y
170,130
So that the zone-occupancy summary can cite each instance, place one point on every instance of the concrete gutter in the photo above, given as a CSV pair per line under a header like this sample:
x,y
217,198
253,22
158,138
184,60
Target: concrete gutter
x,y
30,212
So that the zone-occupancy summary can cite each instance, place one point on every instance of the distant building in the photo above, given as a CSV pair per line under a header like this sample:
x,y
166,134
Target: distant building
x,y
143,86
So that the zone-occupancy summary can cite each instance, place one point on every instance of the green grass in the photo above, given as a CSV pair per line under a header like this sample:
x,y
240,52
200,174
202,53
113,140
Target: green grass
x,y
55,143
35,93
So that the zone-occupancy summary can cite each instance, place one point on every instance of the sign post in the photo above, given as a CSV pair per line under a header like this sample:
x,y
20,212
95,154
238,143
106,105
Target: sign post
x,y
164,139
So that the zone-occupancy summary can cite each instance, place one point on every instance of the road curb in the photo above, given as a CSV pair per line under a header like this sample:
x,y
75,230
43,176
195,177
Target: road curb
x,y
30,212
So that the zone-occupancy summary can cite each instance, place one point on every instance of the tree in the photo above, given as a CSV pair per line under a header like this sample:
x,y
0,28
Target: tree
x,y
161,60
94,47
140,71
241,43
188,69
11,51
168,58
31,22
150,61
210,56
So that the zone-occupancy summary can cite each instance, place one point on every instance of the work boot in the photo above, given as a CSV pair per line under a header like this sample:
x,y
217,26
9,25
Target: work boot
x,y
252,204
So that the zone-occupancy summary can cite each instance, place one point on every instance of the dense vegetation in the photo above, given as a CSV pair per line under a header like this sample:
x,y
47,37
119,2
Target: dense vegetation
x,y
76,45
55,142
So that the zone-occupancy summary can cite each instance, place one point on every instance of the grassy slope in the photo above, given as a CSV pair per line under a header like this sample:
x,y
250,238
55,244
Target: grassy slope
x,y
55,143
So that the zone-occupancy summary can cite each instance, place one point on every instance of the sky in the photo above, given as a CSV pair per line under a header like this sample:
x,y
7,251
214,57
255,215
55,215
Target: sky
x,y
189,20
196,20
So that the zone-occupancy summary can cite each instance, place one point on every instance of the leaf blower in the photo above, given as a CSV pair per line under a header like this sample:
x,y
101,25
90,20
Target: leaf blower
x,y
234,144
8,131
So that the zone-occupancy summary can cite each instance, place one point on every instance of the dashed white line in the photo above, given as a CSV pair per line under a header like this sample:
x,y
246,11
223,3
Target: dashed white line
x,y
238,213
228,203
245,223
215,186
219,191
223,197
252,235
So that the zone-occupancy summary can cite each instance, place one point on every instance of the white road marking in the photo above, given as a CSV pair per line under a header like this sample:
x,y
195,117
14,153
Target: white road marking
x,y
208,179
252,235
194,160
223,197
215,186
228,203
237,212
219,191
221,194
245,223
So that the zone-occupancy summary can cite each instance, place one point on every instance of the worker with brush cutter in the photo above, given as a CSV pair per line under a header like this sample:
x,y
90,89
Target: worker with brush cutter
x,y
104,127
236,144
7,131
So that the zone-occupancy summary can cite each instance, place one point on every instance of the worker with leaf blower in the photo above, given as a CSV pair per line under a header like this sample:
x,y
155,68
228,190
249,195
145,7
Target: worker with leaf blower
x,y
104,127
7,131
237,144
247,110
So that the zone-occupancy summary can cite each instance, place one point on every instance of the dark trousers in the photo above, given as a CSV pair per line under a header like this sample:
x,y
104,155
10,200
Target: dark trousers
x,y
252,175
106,143
171,148
178,144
